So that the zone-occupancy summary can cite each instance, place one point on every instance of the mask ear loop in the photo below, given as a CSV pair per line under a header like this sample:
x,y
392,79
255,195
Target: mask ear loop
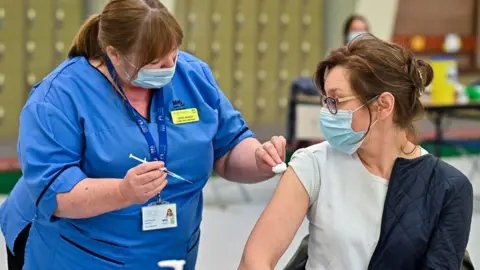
x,y
124,57
372,99
125,72
376,120
359,108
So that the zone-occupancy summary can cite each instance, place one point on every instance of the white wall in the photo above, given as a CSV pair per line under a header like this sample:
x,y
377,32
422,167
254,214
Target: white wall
x,y
95,6
381,15
335,13
170,4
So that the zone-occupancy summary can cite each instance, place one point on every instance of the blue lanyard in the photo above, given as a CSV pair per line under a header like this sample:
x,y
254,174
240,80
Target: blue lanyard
x,y
161,153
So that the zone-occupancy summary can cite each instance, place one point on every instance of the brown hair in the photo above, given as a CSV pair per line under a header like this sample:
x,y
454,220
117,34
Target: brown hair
x,y
143,27
376,66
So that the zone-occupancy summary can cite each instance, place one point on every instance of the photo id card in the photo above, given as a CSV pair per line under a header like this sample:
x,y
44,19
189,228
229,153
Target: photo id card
x,y
159,216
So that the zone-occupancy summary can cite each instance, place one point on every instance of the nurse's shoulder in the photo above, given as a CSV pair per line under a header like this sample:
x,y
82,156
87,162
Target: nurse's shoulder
x,y
189,62
198,76
63,78
63,87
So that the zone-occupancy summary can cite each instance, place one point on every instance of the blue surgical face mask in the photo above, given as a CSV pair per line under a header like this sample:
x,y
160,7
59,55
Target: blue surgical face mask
x,y
153,78
337,129
354,34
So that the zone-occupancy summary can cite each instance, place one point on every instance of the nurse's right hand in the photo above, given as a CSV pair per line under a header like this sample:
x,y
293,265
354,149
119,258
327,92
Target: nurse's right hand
x,y
143,182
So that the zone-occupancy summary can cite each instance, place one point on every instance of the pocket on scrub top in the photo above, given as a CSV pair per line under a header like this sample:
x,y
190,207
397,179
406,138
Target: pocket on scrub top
x,y
81,252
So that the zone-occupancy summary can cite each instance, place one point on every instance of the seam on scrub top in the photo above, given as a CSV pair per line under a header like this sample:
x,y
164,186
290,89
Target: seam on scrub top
x,y
55,77
209,78
96,239
231,145
243,131
51,182
50,85
194,245
91,252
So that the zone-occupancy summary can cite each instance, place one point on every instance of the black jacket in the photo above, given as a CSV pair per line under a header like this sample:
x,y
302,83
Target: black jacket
x,y
426,217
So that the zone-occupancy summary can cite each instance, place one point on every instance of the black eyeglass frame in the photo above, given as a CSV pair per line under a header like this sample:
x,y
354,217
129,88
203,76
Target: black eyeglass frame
x,y
331,103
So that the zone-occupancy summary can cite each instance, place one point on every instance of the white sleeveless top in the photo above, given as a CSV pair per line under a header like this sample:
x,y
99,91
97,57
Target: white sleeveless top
x,y
346,206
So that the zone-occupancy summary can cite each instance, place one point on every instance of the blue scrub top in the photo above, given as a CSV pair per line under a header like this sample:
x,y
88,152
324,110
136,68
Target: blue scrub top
x,y
75,125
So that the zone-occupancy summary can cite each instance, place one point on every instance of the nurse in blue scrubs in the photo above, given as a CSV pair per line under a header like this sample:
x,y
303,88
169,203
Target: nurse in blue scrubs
x,y
125,89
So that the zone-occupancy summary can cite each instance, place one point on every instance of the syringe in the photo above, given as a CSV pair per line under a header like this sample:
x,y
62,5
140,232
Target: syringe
x,y
163,169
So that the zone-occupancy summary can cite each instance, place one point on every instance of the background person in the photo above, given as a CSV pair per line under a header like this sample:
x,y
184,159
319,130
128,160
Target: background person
x,y
354,25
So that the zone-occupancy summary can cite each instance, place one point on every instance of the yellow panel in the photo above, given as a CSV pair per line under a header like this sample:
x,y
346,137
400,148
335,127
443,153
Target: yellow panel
x,y
231,34
39,42
267,55
289,69
312,37
245,61
221,45
68,18
180,12
12,83
200,25
182,9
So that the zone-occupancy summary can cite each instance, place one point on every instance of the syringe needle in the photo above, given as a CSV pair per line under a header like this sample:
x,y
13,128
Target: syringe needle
x,y
163,169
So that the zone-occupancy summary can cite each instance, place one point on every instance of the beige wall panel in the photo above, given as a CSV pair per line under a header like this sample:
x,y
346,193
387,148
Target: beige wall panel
x,y
12,80
221,45
256,48
199,30
68,18
312,37
268,56
39,43
246,34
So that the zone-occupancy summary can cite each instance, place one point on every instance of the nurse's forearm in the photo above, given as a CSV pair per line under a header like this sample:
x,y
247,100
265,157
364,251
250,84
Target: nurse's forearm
x,y
89,198
240,165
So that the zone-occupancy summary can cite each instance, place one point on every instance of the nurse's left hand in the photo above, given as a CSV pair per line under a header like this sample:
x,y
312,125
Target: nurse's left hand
x,y
271,154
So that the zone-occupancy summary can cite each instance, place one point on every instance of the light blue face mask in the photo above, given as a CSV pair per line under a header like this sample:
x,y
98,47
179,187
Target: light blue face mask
x,y
337,129
354,34
153,78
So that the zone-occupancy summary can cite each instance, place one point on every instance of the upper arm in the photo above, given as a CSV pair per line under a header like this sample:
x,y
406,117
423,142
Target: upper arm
x,y
280,221
449,240
240,154
50,150
232,129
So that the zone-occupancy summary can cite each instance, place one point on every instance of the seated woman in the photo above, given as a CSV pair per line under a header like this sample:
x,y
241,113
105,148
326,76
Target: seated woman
x,y
373,199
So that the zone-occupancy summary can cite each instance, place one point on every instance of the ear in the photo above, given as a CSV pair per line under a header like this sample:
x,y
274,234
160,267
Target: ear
x,y
113,55
385,105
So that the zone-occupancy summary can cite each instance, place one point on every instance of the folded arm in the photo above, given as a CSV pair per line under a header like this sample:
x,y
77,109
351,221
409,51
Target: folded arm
x,y
50,151
89,198
239,165
449,240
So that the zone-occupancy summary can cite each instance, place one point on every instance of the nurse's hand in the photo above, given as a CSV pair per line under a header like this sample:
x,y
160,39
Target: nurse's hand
x,y
271,154
143,182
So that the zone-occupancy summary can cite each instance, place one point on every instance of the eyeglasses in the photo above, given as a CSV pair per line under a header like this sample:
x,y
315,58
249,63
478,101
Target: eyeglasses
x,y
331,103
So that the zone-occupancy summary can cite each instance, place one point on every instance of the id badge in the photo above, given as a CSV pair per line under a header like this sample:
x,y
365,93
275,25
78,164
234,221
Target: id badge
x,y
159,216
185,116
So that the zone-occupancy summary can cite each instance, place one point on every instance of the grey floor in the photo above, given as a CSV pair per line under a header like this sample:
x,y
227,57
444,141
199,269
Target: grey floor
x,y
228,222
